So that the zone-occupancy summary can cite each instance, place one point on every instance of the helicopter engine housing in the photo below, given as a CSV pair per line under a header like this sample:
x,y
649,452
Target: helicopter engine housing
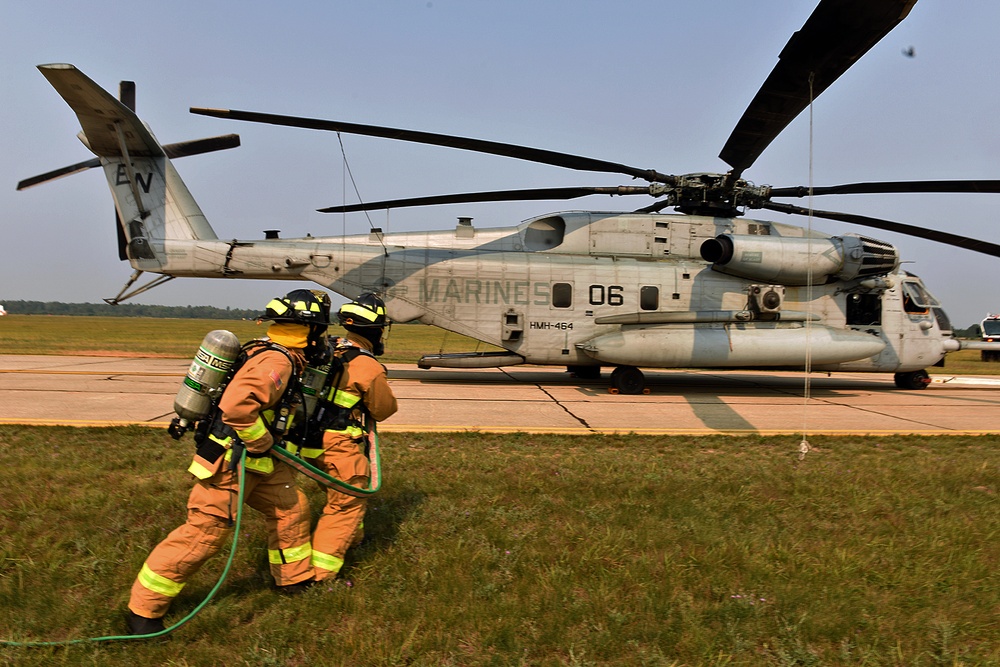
x,y
799,261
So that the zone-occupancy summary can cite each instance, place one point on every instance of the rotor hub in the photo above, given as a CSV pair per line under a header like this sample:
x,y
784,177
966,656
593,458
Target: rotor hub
x,y
717,194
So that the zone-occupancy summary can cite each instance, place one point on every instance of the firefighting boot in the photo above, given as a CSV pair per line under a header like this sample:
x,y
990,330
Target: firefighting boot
x,y
140,625
296,589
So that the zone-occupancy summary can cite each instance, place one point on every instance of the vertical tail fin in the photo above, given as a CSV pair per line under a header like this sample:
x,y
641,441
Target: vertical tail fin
x,y
153,204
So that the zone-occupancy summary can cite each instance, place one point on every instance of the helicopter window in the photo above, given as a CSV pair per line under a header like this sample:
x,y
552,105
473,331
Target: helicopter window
x,y
649,297
916,299
923,297
864,310
544,234
562,295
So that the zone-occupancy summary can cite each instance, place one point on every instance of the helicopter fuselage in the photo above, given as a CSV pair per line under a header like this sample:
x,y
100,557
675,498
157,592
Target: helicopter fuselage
x,y
585,289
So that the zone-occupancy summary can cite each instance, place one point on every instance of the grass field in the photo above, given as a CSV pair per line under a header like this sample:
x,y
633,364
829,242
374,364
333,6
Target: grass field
x,y
163,337
535,550
518,549
146,336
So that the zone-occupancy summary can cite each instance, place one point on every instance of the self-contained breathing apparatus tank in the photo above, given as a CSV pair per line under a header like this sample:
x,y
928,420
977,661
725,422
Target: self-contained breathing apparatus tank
x,y
209,368
313,381
321,375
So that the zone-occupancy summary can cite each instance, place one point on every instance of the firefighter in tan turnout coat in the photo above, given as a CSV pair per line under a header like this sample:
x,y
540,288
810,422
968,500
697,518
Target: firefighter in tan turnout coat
x,y
361,393
245,415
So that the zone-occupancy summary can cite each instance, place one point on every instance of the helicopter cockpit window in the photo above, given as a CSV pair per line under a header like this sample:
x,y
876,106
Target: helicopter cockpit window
x,y
649,297
562,295
916,299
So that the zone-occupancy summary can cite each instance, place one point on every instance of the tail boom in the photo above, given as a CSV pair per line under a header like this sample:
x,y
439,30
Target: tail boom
x,y
153,204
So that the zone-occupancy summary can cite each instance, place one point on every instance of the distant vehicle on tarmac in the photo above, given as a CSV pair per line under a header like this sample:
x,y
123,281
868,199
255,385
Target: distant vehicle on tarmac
x,y
990,328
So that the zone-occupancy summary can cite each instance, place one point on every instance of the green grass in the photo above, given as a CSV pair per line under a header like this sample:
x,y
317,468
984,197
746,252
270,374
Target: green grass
x,y
537,550
164,337
147,336
517,549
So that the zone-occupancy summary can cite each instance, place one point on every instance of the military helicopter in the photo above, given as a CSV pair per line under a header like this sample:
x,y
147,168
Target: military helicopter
x,y
699,287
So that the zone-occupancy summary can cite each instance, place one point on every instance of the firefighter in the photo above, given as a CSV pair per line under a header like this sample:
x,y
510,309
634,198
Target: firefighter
x,y
247,415
361,392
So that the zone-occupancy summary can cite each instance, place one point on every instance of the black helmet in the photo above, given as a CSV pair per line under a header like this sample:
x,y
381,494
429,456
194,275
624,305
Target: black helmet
x,y
302,306
367,311
309,308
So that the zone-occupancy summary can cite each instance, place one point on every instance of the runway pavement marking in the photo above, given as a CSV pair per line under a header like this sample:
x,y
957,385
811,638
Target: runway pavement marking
x,y
951,379
79,422
409,428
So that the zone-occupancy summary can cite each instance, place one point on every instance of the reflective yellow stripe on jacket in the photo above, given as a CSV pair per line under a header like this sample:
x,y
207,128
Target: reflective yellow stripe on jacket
x,y
304,452
346,400
198,466
352,432
256,431
263,465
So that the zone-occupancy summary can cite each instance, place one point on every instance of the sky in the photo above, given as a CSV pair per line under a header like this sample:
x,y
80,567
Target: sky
x,y
651,84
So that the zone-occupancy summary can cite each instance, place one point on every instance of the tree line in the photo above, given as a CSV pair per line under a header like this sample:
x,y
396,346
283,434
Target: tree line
x,y
129,310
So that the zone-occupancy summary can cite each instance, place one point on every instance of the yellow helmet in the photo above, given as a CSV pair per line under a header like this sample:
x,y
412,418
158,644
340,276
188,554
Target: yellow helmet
x,y
301,306
368,310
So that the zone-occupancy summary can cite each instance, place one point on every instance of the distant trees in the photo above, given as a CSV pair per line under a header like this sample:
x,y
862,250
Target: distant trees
x,y
128,310
975,331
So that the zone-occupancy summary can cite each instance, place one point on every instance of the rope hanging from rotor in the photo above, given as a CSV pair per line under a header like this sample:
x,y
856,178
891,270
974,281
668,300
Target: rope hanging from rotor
x,y
804,446
347,172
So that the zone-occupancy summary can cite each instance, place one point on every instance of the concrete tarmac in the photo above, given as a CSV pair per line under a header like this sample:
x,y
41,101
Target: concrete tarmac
x,y
104,391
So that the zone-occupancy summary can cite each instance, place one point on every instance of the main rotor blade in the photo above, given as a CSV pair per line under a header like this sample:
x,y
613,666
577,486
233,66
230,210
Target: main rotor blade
x,y
477,145
975,245
885,187
497,195
836,34
180,149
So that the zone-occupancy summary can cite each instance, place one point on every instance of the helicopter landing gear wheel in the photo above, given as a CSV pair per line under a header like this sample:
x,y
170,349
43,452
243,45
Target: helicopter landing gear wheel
x,y
628,380
913,380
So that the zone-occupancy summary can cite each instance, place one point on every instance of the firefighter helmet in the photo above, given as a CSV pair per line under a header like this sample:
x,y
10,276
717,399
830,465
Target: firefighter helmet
x,y
302,306
367,311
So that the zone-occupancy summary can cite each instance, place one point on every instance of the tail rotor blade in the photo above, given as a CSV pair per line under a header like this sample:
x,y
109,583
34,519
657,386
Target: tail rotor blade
x,y
180,149
59,173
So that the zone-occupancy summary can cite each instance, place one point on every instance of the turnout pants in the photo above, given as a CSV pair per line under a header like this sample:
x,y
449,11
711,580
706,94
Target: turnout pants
x,y
211,509
341,524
